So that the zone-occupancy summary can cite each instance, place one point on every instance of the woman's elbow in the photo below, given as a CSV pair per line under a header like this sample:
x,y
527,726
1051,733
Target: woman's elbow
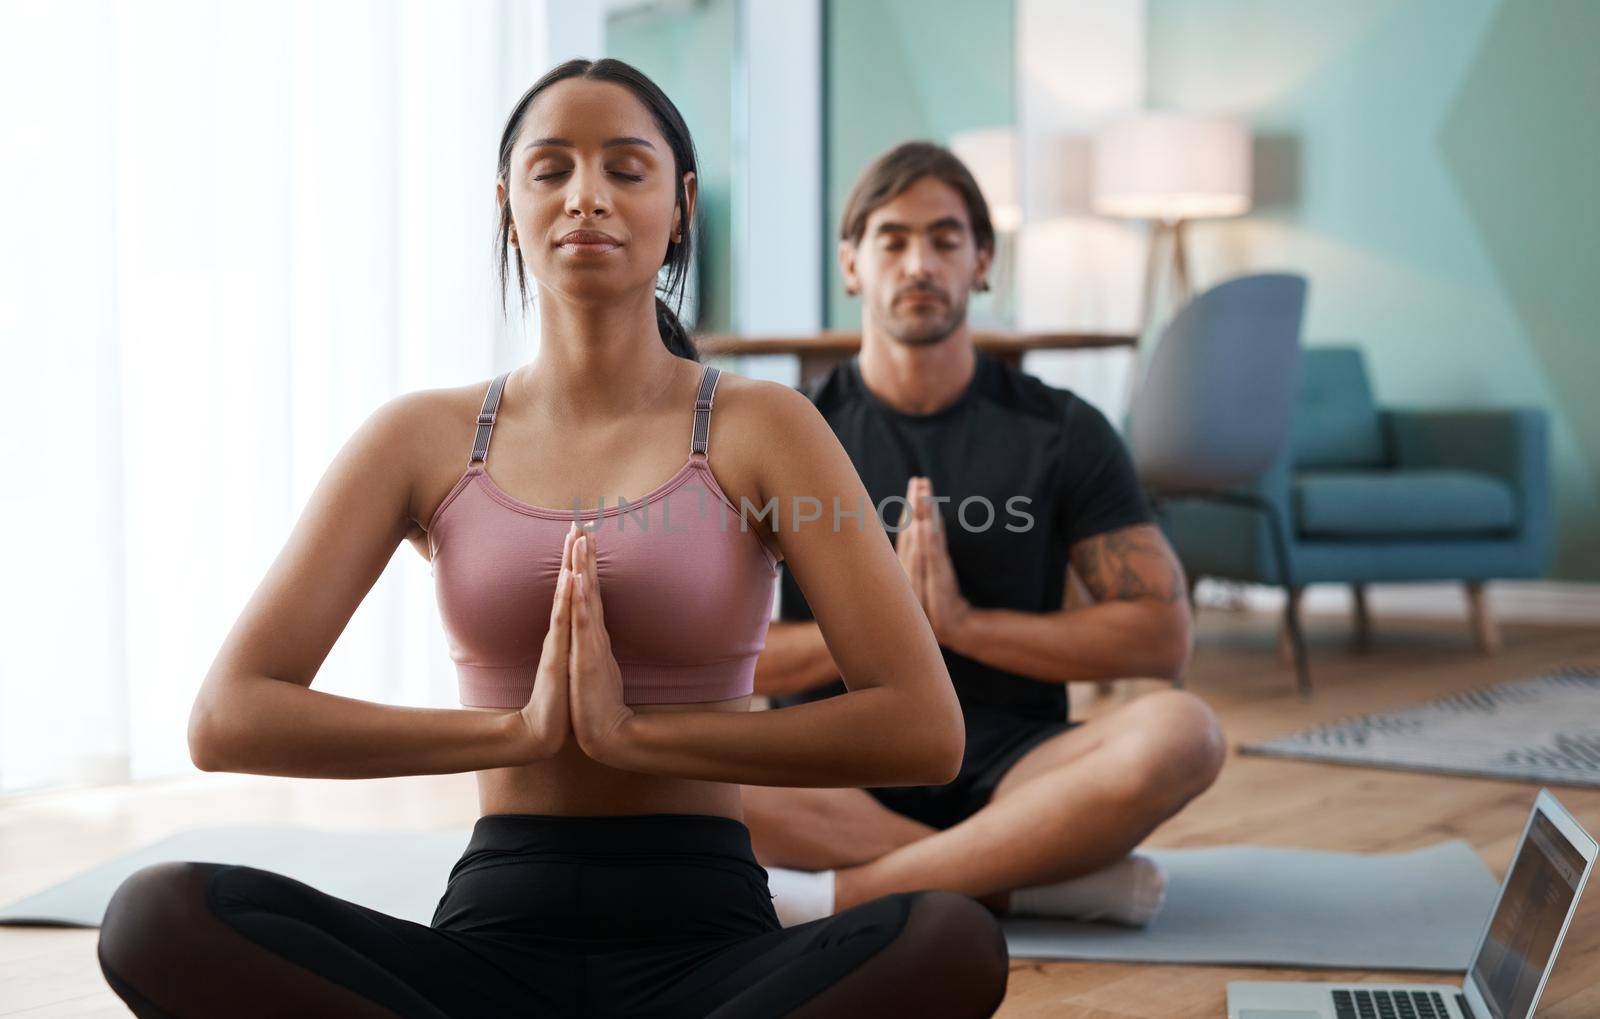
x,y
202,737
947,757
944,745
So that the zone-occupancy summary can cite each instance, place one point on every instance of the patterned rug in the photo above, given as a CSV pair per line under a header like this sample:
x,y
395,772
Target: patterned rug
x,y
1545,729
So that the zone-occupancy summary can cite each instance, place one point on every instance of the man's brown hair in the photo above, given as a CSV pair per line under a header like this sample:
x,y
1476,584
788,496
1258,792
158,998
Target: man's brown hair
x,y
902,166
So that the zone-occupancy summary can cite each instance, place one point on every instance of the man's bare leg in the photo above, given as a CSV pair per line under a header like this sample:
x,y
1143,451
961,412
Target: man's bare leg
x,y
1072,805
823,829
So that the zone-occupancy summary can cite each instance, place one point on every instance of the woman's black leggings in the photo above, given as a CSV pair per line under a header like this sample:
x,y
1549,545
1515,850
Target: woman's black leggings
x,y
647,915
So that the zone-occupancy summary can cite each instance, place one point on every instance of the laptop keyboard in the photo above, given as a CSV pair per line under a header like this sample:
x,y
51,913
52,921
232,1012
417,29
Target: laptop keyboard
x,y
1354,1003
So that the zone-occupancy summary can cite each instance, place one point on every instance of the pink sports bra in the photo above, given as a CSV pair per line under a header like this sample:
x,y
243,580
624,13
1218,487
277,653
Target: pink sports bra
x,y
685,583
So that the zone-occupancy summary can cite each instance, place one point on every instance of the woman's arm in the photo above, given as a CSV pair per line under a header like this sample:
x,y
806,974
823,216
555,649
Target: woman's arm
x,y
795,660
899,723
255,711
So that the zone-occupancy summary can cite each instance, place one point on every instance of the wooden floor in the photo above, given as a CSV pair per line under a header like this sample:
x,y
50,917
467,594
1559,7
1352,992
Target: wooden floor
x,y
44,838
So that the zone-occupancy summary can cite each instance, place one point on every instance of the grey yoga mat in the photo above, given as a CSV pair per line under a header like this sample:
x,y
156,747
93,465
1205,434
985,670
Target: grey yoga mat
x,y
401,873
1229,904
1250,905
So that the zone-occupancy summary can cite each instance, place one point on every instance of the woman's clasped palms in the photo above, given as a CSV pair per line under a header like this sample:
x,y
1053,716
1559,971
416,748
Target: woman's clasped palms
x,y
577,689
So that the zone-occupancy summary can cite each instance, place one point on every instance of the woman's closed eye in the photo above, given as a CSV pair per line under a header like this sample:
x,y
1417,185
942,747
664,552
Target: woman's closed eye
x,y
634,177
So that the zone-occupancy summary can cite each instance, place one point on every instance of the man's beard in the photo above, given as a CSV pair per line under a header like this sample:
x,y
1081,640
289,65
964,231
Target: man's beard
x,y
922,332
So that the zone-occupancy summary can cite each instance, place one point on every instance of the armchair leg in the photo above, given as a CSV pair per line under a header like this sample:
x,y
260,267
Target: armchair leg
x,y
1362,616
1285,641
1291,602
1280,554
1297,640
1484,628
1291,639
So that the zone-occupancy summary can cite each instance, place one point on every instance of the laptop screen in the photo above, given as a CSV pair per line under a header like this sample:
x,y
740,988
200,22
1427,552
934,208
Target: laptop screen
x,y
1533,907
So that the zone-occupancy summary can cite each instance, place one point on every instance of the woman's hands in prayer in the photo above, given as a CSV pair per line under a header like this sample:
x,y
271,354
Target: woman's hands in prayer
x,y
547,717
577,689
595,680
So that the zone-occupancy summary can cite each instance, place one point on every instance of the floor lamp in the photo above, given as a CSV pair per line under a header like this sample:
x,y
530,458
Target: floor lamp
x,y
1170,168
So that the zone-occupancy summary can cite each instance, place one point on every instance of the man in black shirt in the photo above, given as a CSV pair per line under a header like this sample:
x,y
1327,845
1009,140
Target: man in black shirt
x,y
1003,482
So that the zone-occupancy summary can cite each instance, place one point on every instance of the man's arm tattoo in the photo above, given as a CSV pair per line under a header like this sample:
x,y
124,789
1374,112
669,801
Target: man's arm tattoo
x,y
1133,562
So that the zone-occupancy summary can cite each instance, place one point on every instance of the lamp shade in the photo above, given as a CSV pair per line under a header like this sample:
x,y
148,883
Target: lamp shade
x,y
1171,166
991,154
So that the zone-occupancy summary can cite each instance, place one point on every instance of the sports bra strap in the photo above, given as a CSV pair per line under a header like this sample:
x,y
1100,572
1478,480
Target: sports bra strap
x,y
702,411
491,404
697,443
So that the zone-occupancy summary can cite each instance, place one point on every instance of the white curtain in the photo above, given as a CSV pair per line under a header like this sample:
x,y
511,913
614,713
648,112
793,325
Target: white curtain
x,y
228,232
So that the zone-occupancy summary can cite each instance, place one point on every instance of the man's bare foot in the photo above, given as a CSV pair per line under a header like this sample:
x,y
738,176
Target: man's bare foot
x,y
1130,891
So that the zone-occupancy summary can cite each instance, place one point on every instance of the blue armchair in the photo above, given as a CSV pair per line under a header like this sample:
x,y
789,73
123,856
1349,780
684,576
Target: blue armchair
x,y
1366,494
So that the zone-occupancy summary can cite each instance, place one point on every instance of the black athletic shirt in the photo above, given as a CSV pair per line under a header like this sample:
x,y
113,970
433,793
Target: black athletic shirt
x,y
1008,435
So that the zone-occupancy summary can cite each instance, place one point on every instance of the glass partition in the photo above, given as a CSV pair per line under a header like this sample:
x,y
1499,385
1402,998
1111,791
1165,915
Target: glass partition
x,y
690,51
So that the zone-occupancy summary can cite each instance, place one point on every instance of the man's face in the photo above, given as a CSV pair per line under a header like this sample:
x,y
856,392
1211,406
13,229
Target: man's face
x,y
916,263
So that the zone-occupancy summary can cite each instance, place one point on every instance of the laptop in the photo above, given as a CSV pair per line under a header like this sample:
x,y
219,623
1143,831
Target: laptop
x,y
1513,959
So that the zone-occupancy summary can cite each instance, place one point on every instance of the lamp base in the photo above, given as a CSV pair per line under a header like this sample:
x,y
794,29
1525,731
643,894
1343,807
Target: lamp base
x,y
1169,233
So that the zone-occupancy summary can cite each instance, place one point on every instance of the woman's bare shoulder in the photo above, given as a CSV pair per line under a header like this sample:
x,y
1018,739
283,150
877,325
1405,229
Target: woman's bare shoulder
x,y
432,432
425,420
771,435
767,415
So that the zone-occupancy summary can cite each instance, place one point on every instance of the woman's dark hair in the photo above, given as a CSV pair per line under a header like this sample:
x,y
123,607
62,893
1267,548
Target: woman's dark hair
x,y
670,123
899,168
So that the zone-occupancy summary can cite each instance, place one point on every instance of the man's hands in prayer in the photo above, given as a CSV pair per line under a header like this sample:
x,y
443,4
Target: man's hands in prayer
x,y
925,557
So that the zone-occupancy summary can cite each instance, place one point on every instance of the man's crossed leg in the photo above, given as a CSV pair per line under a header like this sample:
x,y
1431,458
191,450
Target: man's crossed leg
x,y
1073,805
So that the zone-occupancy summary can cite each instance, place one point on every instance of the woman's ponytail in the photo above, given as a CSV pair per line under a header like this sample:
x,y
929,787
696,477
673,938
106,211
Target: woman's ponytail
x,y
673,334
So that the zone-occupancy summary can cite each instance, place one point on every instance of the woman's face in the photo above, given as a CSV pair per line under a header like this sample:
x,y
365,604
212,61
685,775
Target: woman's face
x,y
592,191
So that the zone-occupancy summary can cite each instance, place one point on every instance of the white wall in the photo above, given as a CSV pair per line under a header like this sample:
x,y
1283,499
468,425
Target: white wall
x,y
1077,61
777,143
778,153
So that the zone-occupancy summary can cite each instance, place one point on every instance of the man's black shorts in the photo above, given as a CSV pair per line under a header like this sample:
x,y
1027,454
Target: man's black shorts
x,y
995,742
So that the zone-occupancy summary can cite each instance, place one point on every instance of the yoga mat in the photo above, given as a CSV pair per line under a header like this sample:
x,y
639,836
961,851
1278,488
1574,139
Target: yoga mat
x,y
397,872
1249,905
1225,905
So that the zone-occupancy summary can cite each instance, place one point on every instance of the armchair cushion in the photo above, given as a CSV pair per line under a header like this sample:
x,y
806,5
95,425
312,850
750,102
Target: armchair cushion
x,y
1428,503
1336,422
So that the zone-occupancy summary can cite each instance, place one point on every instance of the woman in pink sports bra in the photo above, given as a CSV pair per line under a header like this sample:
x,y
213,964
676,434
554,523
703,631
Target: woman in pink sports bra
x,y
605,570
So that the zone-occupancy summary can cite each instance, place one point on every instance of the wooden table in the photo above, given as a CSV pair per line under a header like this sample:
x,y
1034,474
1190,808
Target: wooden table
x,y
820,351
